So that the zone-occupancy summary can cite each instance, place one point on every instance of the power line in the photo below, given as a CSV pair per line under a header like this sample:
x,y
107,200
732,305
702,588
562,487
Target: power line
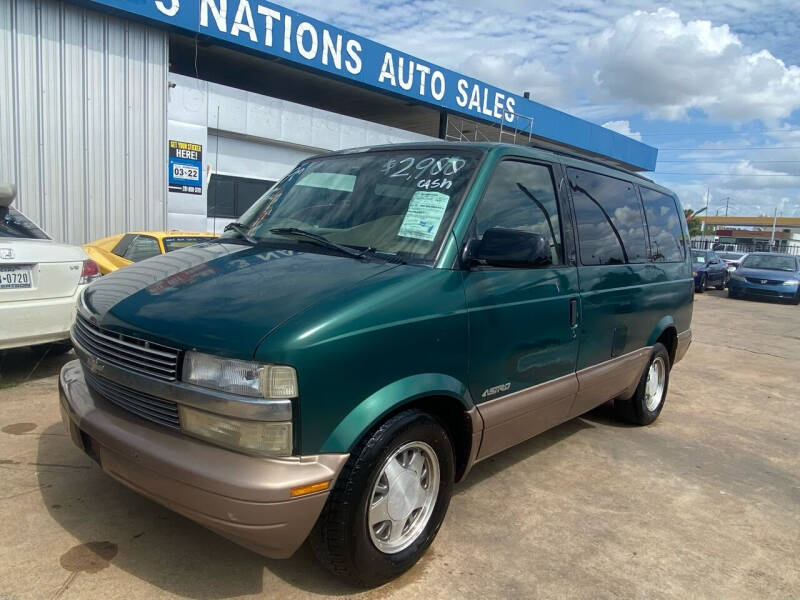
x,y
733,160
698,149
728,174
691,133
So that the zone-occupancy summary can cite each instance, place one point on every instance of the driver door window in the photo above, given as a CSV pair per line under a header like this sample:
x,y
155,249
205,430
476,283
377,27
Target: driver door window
x,y
522,196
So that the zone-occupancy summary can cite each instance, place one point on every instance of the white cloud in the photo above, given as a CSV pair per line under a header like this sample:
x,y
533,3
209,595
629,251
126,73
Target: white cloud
x,y
623,127
656,62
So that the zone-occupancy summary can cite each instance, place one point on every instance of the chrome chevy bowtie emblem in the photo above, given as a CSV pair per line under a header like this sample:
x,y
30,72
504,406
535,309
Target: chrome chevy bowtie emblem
x,y
7,253
764,281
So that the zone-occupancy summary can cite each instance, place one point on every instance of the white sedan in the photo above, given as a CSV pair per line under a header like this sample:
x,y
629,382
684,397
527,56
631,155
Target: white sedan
x,y
40,281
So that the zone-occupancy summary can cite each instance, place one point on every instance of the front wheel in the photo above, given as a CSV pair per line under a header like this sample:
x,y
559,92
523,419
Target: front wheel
x,y
648,400
389,501
701,287
724,282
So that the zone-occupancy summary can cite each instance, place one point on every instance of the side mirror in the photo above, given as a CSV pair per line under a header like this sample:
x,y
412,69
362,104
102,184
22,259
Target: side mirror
x,y
509,248
8,192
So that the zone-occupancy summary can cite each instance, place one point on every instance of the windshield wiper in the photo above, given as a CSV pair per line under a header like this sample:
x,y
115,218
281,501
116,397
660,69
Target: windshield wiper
x,y
242,230
316,238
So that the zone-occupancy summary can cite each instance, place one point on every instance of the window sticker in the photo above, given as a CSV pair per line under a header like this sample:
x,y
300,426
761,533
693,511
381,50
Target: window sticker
x,y
424,215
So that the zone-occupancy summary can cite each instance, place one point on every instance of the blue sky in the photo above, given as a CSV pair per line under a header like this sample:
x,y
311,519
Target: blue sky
x,y
714,86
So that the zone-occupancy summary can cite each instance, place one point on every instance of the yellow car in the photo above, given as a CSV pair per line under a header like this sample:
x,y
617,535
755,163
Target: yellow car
x,y
123,249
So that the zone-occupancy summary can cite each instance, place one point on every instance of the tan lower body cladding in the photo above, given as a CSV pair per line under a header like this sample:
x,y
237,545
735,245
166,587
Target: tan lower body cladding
x,y
521,415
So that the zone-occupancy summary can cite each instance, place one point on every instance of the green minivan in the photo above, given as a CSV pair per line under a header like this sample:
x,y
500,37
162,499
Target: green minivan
x,y
374,325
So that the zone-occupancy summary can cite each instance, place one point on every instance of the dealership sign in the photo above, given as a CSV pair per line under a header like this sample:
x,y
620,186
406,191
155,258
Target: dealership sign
x,y
266,28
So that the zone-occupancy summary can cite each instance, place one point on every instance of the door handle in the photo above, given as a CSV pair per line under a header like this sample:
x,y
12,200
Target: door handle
x,y
573,313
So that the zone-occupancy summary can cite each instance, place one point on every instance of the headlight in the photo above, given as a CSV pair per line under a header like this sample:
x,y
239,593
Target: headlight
x,y
261,438
790,282
241,377
737,277
694,273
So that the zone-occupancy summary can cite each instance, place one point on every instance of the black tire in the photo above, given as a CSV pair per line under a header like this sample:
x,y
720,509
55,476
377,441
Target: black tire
x,y
701,287
635,409
796,299
722,285
734,295
341,539
51,349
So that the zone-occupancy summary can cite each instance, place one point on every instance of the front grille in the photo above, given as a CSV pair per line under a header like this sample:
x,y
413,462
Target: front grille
x,y
157,410
760,281
127,352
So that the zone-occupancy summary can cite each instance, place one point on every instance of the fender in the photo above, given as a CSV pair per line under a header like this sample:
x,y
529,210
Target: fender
x,y
660,328
387,399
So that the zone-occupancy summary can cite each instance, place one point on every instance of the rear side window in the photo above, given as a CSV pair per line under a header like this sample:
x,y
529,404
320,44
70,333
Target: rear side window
x,y
667,243
13,224
610,219
141,248
521,195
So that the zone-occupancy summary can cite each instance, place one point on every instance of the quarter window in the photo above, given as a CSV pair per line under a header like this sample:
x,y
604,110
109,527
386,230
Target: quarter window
x,y
521,196
667,243
141,248
610,220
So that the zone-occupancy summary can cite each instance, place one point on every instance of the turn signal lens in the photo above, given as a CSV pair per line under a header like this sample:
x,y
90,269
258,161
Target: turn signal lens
x,y
309,489
90,272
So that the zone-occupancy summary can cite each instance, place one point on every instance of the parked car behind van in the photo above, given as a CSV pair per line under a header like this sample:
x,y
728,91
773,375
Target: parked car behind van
x,y
377,323
39,282
117,251
708,269
767,275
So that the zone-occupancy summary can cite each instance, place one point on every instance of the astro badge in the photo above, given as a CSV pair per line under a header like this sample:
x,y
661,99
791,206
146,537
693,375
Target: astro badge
x,y
185,167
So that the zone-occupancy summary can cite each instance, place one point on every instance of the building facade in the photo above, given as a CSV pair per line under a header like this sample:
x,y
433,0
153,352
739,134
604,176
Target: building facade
x,y
156,114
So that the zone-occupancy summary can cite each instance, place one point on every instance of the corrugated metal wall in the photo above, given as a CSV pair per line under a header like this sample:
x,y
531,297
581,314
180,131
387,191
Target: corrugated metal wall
x,y
83,117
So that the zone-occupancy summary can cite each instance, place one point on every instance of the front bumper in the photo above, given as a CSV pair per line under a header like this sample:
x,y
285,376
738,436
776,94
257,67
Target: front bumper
x,y
748,288
244,498
29,322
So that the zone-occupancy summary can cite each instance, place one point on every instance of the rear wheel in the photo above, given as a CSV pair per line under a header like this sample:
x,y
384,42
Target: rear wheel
x,y
389,501
648,400
724,282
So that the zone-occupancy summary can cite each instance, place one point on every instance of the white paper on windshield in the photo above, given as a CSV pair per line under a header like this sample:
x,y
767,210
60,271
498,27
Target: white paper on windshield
x,y
424,215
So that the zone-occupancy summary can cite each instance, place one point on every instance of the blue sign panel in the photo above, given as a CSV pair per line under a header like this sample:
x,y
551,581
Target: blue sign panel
x,y
185,167
265,27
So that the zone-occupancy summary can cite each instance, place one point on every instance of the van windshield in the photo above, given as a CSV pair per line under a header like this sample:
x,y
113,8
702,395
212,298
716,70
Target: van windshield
x,y
398,202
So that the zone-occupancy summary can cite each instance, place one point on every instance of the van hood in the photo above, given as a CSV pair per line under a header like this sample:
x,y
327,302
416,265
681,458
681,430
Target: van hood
x,y
218,298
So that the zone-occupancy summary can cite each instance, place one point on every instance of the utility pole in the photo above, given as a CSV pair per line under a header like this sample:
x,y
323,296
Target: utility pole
x,y
774,222
726,205
703,237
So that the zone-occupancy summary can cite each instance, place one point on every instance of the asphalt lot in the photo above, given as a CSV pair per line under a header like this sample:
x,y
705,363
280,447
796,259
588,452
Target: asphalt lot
x,y
704,503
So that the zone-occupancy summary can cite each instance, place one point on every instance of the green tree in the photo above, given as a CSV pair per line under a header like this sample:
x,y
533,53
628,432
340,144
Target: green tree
x,y
695,226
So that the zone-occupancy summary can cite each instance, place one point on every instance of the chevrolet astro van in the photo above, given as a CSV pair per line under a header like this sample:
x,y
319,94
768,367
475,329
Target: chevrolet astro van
x,y
374,325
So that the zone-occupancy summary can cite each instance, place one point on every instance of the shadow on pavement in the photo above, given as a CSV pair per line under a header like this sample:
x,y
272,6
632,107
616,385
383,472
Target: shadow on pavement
x,y
154,544
495,464
18,365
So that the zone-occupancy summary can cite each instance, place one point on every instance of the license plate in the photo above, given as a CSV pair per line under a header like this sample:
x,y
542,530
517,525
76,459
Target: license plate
x,y
15,278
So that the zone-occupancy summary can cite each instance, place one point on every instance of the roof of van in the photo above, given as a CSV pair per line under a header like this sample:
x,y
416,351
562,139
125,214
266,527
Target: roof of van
x,y
564,156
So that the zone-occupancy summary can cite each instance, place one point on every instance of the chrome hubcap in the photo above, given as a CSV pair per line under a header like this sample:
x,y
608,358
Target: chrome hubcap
x,y
403,497
654,387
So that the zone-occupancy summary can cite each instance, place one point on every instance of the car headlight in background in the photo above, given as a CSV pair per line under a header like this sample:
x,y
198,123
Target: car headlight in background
x,y
242,377
791,282
261,438
737,277
694,273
